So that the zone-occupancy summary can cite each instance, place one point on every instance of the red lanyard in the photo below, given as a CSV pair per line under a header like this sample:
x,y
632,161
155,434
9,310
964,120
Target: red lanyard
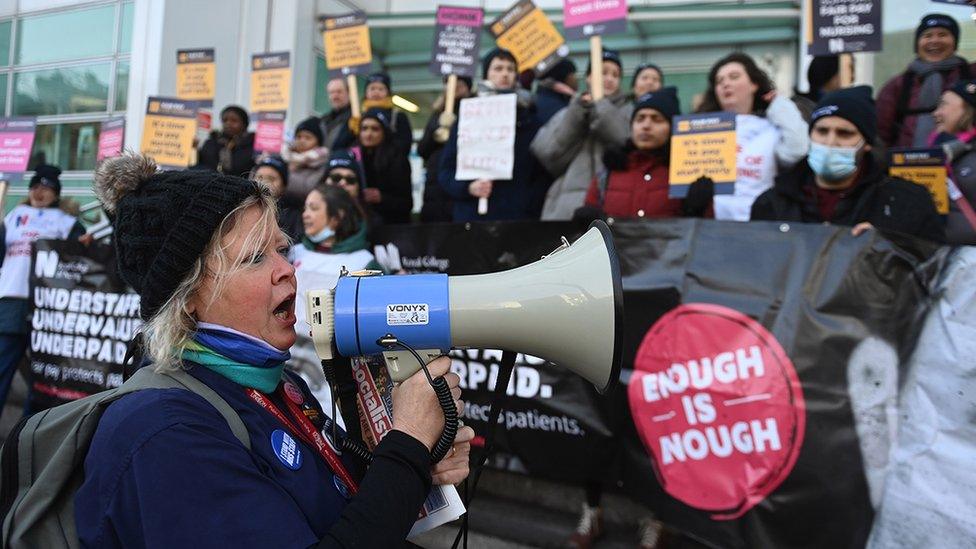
x,y
307,433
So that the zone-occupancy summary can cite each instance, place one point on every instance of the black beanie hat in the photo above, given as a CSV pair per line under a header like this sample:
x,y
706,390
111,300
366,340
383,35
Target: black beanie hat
x,y
47,175
344,159
496,52
664,101
311,125
645,66
561,70
966,89
940,20
609,56
276,163
822,68
381,77
239,111
380,115
852,104
163,220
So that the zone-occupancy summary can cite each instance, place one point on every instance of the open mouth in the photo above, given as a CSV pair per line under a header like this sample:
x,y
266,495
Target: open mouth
x,y
285,309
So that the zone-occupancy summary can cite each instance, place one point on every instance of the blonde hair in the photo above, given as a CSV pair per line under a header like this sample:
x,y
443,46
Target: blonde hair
x,y
170,329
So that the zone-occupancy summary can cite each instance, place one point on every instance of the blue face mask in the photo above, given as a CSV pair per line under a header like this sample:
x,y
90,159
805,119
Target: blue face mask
x,y
322,235
833,163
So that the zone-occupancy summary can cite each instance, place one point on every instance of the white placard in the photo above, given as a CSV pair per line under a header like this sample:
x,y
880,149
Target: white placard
x,y
486,138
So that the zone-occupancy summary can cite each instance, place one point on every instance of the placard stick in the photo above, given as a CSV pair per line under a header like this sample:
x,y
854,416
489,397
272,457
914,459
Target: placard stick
x,y
353,95
846,69
596,68
449,93
3,195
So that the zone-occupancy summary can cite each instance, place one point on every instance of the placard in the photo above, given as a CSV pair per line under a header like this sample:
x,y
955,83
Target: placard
x,y
168,130
111,138
16,143
585,18
270,132
844,26
457,41
531,37
196,74
925,167
270,81
703,145
345,39
486,138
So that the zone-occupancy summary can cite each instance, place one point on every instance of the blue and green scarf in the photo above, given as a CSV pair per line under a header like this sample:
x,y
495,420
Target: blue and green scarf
x,y
243,359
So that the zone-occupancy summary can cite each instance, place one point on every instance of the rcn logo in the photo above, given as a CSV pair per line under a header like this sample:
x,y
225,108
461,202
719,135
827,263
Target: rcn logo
x,y
388,256
46,263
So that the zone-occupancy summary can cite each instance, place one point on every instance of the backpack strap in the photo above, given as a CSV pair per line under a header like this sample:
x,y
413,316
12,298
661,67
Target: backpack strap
x,y
146,378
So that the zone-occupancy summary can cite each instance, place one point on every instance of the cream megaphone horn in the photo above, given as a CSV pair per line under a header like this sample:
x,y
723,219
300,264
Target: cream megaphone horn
x,y
566,308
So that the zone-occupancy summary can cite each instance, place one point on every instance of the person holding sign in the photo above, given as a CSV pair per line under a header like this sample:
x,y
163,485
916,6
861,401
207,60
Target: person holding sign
x,y
438,206
770,132
388,190
379,95
519,197
40,216
955,119
906,102
230,150
840,181
165,468
570,146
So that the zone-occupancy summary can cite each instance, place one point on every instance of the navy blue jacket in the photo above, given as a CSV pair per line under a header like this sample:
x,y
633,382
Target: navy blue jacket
x,y
164,470
548,103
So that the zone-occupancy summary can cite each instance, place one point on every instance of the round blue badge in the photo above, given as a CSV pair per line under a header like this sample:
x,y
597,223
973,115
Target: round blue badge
x,y
286,449
341,487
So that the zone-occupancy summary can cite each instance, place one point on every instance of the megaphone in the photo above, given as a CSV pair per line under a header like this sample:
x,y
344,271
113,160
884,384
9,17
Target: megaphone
x,y
566,308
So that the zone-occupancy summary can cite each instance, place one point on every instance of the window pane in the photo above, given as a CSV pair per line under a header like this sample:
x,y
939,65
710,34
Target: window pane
x,y
69,146
3,94
321,81
5,42
62,91
122,85
44,38
125,37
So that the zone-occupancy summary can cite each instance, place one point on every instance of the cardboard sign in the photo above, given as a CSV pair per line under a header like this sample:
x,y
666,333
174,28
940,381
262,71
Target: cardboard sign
x,y
531,37
270,81
168,130
270,132
486,138
925,167
111,137
196,74
843,26
585,18
703,145
346,42
457,41
16,143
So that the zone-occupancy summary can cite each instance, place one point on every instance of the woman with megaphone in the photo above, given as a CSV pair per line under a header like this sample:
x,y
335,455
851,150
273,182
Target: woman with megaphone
x,y
165,469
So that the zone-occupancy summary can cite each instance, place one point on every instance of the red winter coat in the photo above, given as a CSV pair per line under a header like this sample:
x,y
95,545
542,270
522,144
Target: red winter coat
x,y
639,190
887,105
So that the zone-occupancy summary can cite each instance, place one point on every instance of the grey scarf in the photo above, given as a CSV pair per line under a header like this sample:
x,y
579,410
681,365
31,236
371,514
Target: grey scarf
x,y
929,93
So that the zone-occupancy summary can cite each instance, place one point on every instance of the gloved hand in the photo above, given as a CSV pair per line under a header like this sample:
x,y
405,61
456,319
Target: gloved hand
x,y
699,197
354,124
446,119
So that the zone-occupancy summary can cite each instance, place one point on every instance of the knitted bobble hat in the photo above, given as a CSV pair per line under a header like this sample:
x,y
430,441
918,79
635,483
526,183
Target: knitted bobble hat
x,y
163,221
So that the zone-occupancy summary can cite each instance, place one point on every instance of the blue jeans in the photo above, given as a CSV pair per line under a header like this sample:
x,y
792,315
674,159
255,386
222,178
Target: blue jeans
x,y
12,348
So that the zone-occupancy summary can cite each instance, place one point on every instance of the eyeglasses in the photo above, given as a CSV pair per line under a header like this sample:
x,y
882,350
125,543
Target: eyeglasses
x,y
336,179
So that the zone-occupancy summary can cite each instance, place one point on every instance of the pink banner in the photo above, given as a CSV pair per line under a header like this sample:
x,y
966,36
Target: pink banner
x,y
270,132
466,17
582,18
16,142
111,138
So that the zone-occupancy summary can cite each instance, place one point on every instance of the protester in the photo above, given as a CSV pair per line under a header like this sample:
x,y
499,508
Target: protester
x,y
647,78
379,95
956,126
230,150
388,189
272,171
770,132
635,182
345,171
42,215
840,182
823,76
554,90
519,197
306,157
906,102
164,469
437,206
336,119
570,146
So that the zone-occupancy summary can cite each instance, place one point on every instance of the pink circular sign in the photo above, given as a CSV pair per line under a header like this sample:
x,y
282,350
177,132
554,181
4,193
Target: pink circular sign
x,y
718,405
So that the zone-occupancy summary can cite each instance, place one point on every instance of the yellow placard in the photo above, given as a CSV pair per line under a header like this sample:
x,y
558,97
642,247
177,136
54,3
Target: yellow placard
x,y
270,82
347,47
196,75
168,131
932,178
531,39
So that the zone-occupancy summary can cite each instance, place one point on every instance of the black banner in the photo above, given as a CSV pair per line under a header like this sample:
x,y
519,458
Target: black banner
x,y
82,318
845,26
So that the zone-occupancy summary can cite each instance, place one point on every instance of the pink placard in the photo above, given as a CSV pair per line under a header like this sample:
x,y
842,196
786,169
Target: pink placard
x,y
110,138
580,13
269,134
16,142
466,17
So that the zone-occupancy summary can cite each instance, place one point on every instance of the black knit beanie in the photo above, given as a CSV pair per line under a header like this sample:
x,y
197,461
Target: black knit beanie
x,y
852,104
966,89
664,101
312,126
382,78
382,116
342,158
609,56
934,20
561,70
277,164
163,220
822,68
496,52
47,175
